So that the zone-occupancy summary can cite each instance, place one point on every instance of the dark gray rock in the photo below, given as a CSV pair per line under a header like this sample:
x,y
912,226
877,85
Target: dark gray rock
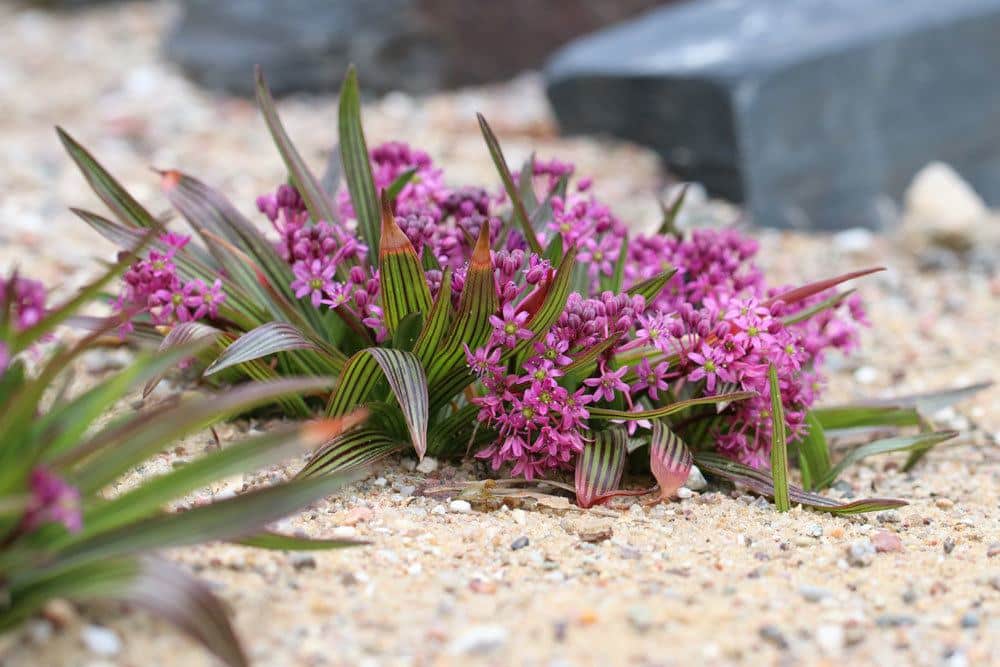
x,y
814,112
410,45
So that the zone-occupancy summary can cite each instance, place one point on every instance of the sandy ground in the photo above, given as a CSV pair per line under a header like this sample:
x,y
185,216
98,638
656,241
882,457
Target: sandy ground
x,y
716,579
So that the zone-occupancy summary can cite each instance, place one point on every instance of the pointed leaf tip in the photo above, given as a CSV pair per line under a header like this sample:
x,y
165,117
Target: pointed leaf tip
x,y
392,237
169,179
481,254
322,431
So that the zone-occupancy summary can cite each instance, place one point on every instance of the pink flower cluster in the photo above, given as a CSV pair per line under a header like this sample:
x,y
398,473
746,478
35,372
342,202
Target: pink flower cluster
x,y
152,285
715,328
22,305
52,501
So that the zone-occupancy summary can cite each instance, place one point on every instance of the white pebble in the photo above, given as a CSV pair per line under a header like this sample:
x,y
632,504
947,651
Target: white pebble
x,y
696,480
830,638
460,506
866,375
479,639
519,516
101,641
380,481
428,465
438,509
409,464
684,493
856,239
345,531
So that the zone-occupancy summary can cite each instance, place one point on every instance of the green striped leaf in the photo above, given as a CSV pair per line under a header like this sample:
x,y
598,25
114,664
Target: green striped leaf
x,y
316,200
351,451
128,211
407,382
448,372
825,304
655,413
670,213
357,167
669,459
760,482
458,434
404,288
814,453
279,542
521,217
585,362
911,443
860,416
251,454
651,287
599,466
399,183
436,325
779,444
131,440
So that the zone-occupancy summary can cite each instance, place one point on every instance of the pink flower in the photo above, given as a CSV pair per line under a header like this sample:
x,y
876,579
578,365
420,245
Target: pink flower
x,y
710,368
609,382
509,328
52,501
314,279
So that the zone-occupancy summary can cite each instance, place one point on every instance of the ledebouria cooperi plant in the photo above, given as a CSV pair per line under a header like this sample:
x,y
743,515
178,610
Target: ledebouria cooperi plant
x,y
520,322
68,528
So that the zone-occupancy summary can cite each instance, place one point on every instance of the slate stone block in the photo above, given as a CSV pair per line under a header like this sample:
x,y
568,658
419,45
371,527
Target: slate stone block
x,y
816,113
415,46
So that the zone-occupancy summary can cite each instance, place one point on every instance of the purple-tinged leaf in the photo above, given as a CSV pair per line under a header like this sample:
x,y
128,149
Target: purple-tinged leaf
x,y
806,291
599,466
265,340
521,217
860,416
669,459
182,334
760,482
170,592
357,165
317,201
128,211
826,304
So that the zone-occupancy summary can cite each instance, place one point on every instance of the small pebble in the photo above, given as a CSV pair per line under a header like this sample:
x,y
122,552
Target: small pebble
x,y
948,546
696,480
460,506
381,481
772,634
861,553
409,464
519,516
479,640
345,531
407,491
100,640
519,543
438,509
302,561
886,541
813,593
993,550
640,618
890,516
894,620
684,493
970,620
814,530
944,503
865,375
428,465
830,638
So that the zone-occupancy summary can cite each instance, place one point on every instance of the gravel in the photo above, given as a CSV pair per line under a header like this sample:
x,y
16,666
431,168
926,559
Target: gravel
x,y
356,607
